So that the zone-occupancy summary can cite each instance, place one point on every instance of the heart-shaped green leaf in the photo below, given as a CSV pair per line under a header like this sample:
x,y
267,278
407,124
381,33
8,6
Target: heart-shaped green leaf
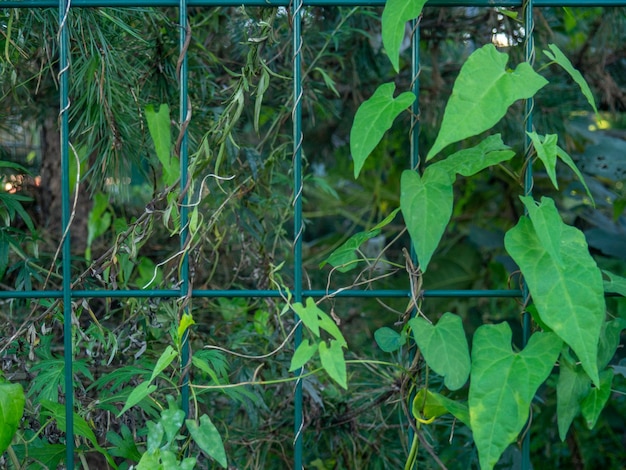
x,y
334,362
395,16
426,202
481,95
569,296
444,347
503,384
208,439
388,340
373,118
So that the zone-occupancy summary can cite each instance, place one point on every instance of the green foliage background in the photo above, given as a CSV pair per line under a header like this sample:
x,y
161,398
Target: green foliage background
x,y
124,65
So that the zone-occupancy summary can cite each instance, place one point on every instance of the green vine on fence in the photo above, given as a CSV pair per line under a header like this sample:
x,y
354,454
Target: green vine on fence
x,y
564,281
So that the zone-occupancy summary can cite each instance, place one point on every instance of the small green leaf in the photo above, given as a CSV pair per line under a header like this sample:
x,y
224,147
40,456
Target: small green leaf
x,y
594,403
394,18
426,202
468,162
264,83
609,340
481,95
545,146
328,81
123,445
373,118
302,355
308,315
503,385
205,367
444,347
565,158
155,436
143,390
388,340
329,326
165,360
573,385
334,362
160,130
172,420
208,439
569,296
557,56
427,405
185,322
12,401
344,257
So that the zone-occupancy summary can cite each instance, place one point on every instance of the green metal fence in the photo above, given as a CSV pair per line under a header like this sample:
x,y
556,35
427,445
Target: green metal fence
x,y
67,293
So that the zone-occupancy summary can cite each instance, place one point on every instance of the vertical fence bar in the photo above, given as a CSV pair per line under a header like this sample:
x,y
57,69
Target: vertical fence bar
x,y
415,156
185,116
66,216
297,203
529,53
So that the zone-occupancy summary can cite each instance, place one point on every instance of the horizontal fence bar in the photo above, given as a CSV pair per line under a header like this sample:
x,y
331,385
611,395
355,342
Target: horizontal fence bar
x,y
285,3
318,293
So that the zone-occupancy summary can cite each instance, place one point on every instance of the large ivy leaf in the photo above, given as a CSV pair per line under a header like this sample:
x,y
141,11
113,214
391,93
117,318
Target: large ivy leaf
x,y
373,118
572,387
334,362
468,162
208,439
503,384
160,130
426,202
394,18
482,93
557,56
444,347
593,404
12,401
569,296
